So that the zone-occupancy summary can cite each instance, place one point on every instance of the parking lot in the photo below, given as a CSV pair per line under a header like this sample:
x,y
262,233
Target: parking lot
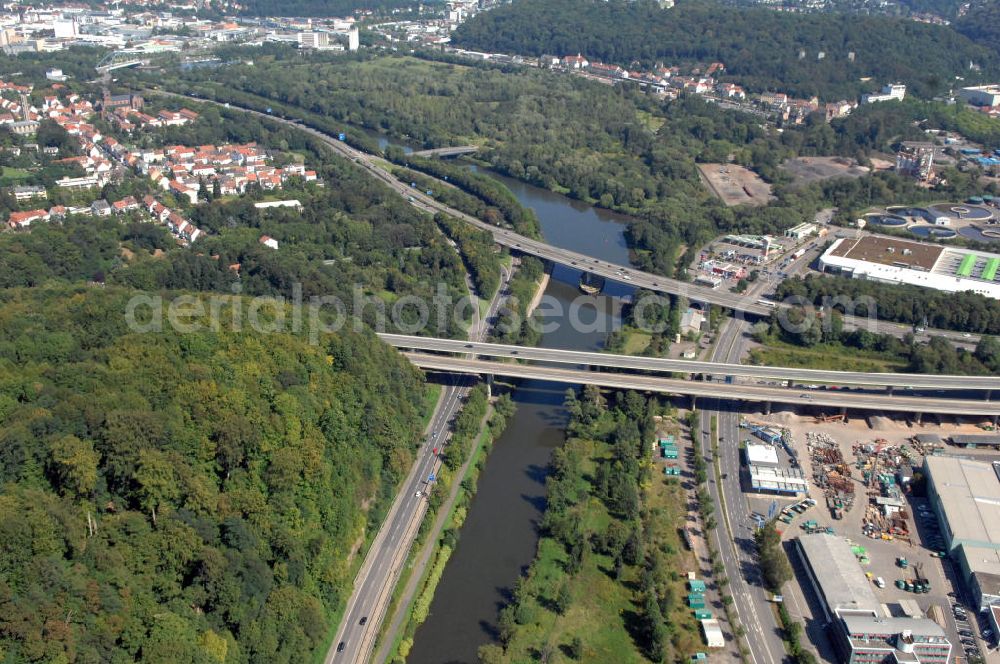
x,y
966,629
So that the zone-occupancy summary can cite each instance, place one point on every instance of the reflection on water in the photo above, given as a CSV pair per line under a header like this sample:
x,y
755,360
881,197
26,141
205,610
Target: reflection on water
x,y
499,536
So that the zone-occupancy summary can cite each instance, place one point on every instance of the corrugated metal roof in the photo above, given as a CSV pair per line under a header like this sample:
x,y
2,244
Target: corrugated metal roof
x,y
839,575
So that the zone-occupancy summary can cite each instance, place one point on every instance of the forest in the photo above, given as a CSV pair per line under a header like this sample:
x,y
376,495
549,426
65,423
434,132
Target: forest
x,y
982,24
759,47
616,147
190,497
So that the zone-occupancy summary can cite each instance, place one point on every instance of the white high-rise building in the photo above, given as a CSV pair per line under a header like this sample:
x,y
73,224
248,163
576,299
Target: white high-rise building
x,y
353,39
314,40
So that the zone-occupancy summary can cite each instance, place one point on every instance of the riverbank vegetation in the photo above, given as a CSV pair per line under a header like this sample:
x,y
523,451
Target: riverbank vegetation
x,y
607,580
185,497
470,441
613,146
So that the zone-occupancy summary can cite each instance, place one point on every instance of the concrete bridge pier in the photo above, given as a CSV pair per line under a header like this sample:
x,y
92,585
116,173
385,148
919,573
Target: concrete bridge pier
x,y
989,395
694,402
889,390
843,413
918,417
767,407
489,378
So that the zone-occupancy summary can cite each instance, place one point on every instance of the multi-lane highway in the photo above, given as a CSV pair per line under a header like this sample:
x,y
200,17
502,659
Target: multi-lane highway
x,y
741,392
742,304
380,570
716,369
749,599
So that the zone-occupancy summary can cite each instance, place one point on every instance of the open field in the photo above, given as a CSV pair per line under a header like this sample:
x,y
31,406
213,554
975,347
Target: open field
x,y
805,170
735,185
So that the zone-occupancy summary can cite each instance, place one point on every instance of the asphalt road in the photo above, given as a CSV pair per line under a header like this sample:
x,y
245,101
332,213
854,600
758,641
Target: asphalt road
x,y
749,598
380,570
718,369
735,391
750,304
379,573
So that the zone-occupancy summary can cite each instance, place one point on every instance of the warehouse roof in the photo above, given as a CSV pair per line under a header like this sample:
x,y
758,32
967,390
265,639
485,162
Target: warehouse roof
x,y
783,480
844,586
969,493
890,251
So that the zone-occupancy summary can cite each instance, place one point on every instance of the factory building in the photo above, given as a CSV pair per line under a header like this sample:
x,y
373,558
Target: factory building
x,y
894,260
861,629
981,95
965,496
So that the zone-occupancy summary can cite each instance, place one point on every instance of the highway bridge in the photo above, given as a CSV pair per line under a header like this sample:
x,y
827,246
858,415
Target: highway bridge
x,y
693,367
621,273
120,60
844,399
447,152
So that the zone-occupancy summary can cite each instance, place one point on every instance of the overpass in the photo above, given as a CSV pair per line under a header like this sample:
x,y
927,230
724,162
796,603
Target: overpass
x,y
447,152
120,60
606,269
742,392
650,364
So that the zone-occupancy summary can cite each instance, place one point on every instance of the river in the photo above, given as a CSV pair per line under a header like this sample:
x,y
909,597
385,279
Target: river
x,y
499,536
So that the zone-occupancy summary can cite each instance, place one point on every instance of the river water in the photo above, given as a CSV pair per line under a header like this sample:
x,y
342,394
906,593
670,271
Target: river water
x,y
499,536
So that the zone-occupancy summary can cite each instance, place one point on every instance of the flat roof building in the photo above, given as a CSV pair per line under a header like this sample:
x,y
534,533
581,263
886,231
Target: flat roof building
x,y
859,629
762,455
894,260
965,495
981,95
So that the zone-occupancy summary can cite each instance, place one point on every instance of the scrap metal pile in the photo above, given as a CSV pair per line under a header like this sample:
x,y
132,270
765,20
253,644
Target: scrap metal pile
x,y
880,464
831,473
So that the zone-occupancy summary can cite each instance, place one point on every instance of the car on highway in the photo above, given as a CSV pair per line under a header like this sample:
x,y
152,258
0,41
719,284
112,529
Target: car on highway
x,y
363,620
805,396
341,646
417,494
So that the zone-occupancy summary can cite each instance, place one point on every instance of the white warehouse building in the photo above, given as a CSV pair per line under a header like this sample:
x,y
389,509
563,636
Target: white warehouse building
x,y
898,261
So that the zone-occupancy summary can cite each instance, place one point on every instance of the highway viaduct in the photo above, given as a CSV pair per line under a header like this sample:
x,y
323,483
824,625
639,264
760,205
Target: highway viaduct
x,y
766,394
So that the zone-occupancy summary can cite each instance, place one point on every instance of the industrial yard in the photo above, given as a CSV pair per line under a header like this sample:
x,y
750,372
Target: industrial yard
x,y
859,474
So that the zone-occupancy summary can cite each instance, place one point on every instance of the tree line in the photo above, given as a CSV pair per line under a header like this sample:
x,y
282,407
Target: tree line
x,y
762,49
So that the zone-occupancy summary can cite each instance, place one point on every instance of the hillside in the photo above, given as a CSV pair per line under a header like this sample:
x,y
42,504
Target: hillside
x,y
759,47
982,25
183,497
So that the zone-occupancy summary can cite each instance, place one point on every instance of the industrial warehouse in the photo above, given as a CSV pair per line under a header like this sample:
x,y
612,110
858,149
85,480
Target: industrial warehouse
x,y
861,628
894,260
965,496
